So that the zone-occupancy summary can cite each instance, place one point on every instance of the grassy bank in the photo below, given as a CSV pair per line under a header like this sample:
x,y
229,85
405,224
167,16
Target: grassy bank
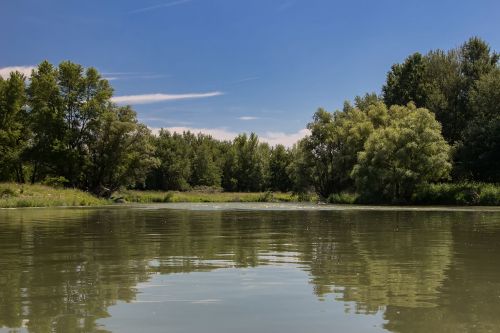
x,y
194,196
453,194
462,194
24,195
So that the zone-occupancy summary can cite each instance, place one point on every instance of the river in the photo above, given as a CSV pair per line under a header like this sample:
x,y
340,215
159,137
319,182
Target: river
x,y
250,268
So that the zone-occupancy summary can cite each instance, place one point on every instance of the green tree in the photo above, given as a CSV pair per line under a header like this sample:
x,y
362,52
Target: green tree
x,y
250,162
174,169
478,156
477,59
445,91
206,170
14,132
301,168
408,152
229,166
335,140
365,101
279,163
47,122
319,146
405,82
442,82
120,151
66,106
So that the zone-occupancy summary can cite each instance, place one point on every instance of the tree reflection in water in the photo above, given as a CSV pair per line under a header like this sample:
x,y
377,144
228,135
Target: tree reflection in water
x,y
61,269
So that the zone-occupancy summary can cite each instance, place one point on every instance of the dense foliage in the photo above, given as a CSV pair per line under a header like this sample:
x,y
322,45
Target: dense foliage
x,y
437,119
461,87
62,124
404,153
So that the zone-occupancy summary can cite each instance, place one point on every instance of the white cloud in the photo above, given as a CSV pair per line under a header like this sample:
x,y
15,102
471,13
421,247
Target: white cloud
x,y
273,138
248,118
113,76
155,98
163,5
246,79
26,70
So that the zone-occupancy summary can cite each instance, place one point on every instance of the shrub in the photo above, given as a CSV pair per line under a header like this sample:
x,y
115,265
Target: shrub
x,y
458,194
57,182
265,197
342,198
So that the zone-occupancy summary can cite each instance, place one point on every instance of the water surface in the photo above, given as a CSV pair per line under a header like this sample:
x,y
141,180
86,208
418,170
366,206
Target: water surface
x,y
250,268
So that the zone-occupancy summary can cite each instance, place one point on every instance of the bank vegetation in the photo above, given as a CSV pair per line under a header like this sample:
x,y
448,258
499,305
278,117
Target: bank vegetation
x,y
431,136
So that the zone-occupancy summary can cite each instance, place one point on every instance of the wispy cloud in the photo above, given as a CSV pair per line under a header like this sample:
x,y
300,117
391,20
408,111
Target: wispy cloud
x,y
162,5
272,138
26,70
113,76
246,118
246,79
155,98
166,121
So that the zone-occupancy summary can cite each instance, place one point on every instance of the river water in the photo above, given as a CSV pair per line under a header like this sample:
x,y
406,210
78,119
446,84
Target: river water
x,y
250,268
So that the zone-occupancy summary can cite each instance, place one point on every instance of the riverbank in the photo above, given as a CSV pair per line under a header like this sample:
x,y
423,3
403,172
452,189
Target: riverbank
x,y
450,194
204,196
24,195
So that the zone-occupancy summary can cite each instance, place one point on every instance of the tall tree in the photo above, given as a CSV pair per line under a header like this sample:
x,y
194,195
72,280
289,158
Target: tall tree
x,y
120,151
442,82
478,156
47,122
405,82
14,133
174,169
250,162
445,91
335,140
206,170
279,162
66,104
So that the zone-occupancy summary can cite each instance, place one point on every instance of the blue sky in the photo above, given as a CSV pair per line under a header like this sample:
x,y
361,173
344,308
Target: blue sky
x,y
228,66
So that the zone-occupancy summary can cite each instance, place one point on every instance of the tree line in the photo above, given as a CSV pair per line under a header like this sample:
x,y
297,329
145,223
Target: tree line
x,y
437,119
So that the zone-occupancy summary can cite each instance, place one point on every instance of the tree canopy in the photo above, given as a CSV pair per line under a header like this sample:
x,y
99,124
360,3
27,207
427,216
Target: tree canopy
x,y
407,152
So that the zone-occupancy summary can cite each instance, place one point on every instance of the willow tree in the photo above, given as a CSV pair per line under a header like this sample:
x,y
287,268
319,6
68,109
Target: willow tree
x,y
120,152
335,140
409,151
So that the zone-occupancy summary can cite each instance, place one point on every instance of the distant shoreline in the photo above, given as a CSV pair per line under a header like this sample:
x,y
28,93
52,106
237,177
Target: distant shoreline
x,y
14,195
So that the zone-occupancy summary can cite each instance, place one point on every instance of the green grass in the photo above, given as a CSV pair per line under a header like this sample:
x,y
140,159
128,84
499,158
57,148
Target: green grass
x,y
463,194
454,194
192,196
23,195
342,198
